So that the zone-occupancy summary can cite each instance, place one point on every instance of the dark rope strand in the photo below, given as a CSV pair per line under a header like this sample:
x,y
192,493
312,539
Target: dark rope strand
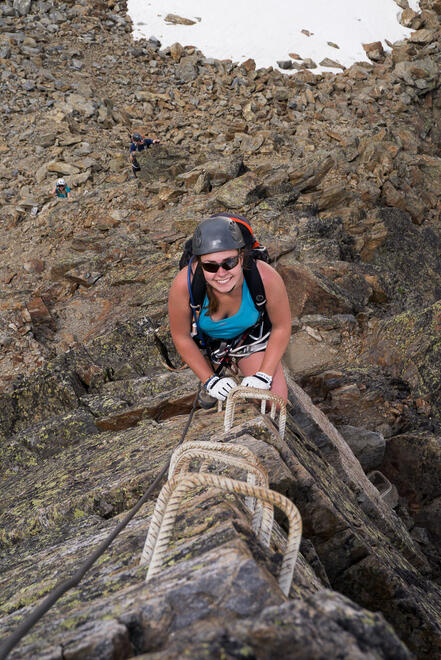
x,y
27,623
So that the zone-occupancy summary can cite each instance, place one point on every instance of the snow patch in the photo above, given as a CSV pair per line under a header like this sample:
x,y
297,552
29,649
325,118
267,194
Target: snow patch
x,y
268,32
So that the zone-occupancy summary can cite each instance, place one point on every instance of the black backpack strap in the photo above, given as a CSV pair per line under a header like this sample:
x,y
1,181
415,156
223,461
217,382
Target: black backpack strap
x,y
186,254
255,285
198,288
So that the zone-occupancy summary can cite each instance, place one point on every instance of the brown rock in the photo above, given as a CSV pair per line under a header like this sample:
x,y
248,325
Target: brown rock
x,y
408,17
174,19
378,293
83,276
328,198
308,178
202,184
251,143
327,62
60,167
404,201
189,178
239,192
310,295
249,65
305,356
423,36
169,193
374,51
34,266
38,311
176,51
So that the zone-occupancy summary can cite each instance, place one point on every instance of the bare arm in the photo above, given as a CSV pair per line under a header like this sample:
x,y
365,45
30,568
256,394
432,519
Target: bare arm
x,y
179,312
279,313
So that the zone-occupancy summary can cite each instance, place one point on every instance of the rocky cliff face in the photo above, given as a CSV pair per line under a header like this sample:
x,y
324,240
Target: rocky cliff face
x,y
340,177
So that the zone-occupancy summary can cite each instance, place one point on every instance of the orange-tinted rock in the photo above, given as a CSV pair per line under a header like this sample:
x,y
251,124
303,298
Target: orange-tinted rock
x,y
38,311
309,294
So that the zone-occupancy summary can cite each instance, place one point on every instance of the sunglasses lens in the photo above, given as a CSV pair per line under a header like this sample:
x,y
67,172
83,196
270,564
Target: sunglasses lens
x,y
228,264
210,268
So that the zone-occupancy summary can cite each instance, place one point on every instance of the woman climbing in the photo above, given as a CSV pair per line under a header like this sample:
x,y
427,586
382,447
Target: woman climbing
x,y
232,322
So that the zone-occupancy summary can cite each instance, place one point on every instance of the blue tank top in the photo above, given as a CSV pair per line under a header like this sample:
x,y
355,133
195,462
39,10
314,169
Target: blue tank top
x,y
233,326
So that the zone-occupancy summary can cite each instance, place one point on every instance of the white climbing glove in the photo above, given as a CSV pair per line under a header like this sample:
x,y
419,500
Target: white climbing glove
x,y
219,387
260,380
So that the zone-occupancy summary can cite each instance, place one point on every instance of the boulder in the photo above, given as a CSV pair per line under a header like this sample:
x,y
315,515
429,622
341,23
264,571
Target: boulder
x,y
331,64
413,462
422,75
368,446
187,69
38,311
60,167
22,7
237,193
223,169
423,37
174,19
309,294
306,355
176,51
84,106
159,161
374,51
406,201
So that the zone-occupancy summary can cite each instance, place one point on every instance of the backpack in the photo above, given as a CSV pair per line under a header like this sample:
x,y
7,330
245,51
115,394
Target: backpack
x,y
197,286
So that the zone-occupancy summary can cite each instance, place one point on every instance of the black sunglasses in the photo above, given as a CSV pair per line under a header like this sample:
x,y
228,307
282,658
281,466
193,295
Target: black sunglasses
x,y
227,264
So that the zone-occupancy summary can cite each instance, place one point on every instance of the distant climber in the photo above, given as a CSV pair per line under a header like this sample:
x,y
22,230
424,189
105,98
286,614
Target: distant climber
x,y
139,143
61,189
228,323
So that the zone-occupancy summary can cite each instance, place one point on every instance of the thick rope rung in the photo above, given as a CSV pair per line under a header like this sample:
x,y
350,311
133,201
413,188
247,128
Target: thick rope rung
x,y
263,520
230,448
230,454
225,448
194,480
241,392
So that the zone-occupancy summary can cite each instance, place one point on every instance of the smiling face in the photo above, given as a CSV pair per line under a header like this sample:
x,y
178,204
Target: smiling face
x,y
223,280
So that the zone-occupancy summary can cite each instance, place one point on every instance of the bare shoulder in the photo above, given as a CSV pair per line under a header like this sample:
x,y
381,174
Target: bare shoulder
x,y
270,277
179,285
